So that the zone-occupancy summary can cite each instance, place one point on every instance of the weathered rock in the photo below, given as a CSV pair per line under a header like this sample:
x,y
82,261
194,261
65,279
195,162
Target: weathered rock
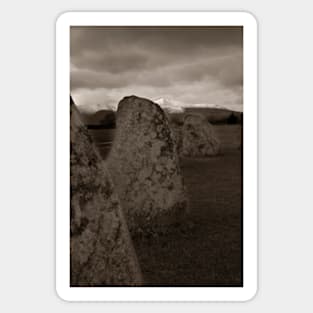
x,y
178,137
144,165
199,138
101,249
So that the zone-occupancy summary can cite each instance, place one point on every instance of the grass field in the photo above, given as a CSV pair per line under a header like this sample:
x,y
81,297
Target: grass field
x,y
206,248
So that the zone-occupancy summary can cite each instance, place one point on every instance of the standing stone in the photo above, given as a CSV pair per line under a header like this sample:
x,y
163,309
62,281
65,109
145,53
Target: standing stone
x,y
199,138
100,246
144,165
178,137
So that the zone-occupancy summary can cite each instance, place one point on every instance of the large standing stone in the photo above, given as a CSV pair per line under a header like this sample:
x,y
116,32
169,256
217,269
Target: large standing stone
x,y
101,249
144,165
199,138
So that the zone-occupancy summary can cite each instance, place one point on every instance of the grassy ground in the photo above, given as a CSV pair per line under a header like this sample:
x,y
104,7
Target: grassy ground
x,y
206,249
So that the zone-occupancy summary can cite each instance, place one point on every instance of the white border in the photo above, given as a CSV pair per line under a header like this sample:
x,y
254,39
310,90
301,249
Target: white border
x,y
63,23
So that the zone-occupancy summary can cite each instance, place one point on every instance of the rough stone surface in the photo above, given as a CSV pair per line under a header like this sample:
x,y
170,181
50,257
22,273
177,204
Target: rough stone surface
x,y
178,137
199,138
100,246
145,168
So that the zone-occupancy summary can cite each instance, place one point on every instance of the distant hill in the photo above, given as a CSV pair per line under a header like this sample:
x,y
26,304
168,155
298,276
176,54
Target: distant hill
x,y
230,107
100,119
215,114
173,106
170,106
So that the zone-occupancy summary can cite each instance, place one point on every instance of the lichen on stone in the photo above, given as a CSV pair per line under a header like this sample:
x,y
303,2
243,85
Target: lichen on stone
x,y
101,249
143,163
198,137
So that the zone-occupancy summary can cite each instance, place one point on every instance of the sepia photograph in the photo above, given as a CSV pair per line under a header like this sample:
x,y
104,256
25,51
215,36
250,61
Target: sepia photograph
x,y
156,156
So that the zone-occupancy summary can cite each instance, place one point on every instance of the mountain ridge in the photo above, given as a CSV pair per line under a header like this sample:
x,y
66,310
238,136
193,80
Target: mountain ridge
x,y
169,105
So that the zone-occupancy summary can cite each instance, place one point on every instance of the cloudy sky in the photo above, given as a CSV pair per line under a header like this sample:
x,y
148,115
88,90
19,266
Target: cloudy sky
x,y
192,65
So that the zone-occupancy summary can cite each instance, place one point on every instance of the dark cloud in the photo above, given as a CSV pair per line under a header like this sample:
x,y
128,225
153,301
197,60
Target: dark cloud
x,y
194,65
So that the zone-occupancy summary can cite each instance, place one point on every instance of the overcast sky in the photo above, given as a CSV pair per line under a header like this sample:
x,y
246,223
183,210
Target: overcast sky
x,y
191,65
